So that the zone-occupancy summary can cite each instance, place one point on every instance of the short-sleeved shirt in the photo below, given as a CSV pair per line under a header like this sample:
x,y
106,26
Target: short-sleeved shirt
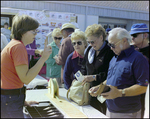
x,y
14,54
125,70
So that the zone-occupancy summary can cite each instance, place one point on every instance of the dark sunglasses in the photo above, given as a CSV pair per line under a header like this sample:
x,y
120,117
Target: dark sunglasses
x,y
113,45
79,43
135,35
59,38
91,42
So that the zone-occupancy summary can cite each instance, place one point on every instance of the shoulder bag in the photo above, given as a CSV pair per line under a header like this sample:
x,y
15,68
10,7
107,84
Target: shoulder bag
x,y
79,93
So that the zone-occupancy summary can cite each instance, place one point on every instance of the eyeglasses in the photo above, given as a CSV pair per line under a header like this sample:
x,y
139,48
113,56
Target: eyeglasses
x,y
113,45
135,35
34,32
59,38
79,43
91,42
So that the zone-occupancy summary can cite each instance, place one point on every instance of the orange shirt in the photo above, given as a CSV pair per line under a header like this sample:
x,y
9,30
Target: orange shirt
x,y
13,54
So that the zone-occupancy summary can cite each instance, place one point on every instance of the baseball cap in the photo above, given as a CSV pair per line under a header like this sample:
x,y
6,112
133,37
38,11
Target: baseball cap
x,y
67,25
139,28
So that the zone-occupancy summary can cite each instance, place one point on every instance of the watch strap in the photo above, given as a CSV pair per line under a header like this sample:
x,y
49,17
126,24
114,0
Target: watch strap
x,y
123,93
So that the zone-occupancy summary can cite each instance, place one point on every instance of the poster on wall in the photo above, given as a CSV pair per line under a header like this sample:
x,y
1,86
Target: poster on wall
x,y
53,16
67,17
47,23
60,16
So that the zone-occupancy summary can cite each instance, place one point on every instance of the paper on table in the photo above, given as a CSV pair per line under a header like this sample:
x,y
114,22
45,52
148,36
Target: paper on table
x,y
79,76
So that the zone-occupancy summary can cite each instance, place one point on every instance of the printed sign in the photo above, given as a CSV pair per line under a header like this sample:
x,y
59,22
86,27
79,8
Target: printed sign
x,y
47,23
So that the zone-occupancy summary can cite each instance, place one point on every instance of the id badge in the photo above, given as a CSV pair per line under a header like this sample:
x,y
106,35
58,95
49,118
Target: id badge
x,y
79,76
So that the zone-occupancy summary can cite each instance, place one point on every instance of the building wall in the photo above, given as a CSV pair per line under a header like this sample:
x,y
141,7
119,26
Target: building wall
x,y
81,21
91,19
87,14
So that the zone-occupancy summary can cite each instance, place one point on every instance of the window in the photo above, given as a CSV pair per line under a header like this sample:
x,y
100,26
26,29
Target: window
x,y
111,26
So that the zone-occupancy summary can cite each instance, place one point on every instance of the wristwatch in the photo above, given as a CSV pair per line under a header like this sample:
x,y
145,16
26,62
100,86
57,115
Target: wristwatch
x,y
123,93
94,77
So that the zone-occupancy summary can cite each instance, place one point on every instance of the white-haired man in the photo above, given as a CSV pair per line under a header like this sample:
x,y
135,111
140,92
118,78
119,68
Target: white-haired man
x,y
128,77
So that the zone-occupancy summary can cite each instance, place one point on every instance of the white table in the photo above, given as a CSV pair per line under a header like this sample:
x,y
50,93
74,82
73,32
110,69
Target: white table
x,y
38,80
40,95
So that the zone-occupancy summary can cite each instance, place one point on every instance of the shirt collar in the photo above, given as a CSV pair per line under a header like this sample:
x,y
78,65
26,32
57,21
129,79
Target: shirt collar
x,y
128,51
70,35
102,46
76,54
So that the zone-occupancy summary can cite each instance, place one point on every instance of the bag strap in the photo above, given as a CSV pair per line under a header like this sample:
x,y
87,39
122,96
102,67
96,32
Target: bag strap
x,y
68,94
84,89
100,89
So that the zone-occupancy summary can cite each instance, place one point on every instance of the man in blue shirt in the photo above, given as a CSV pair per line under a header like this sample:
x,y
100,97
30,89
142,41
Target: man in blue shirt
x,y
128,77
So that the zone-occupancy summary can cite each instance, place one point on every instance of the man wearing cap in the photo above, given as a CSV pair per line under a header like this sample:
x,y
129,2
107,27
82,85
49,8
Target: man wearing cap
x,y
140,39
127,76
66,47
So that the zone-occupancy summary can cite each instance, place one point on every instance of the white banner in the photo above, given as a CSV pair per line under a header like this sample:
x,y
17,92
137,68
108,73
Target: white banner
x,y
46,23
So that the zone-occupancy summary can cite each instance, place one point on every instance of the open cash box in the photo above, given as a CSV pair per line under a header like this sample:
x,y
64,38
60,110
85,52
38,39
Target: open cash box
x,y
44,109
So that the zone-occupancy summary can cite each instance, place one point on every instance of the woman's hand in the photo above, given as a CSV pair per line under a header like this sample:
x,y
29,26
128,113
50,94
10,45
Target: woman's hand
x,y
47,50
88,78
58,60
29,103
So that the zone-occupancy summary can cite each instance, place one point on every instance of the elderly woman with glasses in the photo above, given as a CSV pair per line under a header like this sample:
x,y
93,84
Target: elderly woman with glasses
x,y
52,69
74,60
96,60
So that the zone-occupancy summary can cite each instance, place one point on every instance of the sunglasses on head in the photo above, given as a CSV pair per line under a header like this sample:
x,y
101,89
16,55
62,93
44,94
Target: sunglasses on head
x,y
135,35
79,43
90,42
59,38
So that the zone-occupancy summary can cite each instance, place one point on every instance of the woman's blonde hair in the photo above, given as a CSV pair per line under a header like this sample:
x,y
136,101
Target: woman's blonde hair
x,y
95,30
79,35
56,32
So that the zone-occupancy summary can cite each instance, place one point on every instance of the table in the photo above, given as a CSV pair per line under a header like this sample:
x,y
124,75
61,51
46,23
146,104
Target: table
x,y
40,95
38,80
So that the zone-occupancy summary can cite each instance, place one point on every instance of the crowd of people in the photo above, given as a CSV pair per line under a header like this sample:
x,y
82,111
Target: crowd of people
x,y
115,57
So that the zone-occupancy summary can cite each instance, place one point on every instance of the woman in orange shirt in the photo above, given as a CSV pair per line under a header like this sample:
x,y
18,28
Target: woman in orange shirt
x,y
15,71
